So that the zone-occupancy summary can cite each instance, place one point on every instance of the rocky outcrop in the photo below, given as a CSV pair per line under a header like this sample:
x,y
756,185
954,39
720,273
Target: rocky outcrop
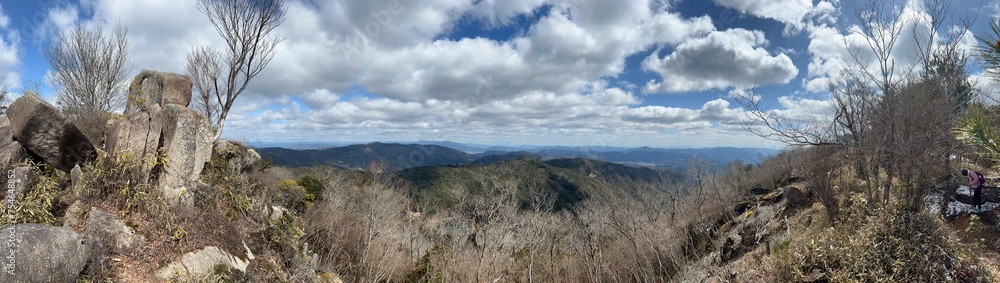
x,y
113,232
40,253
11,151
158,122
198,264
235,157
155,87
138,133
187,146
797,196
43,130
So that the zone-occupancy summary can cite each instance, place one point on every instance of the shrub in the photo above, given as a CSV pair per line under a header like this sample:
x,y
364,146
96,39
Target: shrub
x,y
894,245
313,186
36,204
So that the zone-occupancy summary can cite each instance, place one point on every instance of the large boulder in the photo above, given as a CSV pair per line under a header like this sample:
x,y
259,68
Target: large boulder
x,y
234,157
154,87
138,133
113,232
797,196
11,151
187,146
198,264
40,128
40,253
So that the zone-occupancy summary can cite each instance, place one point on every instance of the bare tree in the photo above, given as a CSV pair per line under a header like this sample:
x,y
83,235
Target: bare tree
x,y
204,67
871,109
89,73
4,92
246,26
771,126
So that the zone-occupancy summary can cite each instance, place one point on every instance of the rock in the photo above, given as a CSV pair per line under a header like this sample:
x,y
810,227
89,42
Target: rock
x,y
732,247
74,214
201,263
44,253
774,196
277,212
759,191
22,180
154,87
113,232
187,146
11,151
235,157
139,133
797,196
44,131
75,174
743,207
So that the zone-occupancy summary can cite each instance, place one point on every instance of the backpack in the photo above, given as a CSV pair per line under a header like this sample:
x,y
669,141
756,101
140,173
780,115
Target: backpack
x,y
981,178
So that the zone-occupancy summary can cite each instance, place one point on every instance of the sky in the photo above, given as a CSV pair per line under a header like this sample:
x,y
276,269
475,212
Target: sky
x,y
632,73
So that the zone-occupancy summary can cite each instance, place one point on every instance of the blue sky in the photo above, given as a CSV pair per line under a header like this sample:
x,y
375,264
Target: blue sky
x,y
518,72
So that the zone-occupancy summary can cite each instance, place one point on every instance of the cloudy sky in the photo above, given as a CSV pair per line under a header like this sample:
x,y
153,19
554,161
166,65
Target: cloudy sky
x,y
501,72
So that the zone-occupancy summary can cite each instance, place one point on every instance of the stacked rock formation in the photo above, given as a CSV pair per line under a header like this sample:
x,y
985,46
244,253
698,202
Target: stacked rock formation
x,y
158,121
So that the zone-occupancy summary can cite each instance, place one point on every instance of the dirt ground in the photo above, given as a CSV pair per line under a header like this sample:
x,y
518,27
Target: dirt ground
x,y
982,233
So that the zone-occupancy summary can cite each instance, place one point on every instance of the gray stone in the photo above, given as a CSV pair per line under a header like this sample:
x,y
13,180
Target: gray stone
x,y
235,157
187,146
40,253
200,263
24,180
11,151
139,134
75,174
797,196
40,128
154,87
74,214
113,232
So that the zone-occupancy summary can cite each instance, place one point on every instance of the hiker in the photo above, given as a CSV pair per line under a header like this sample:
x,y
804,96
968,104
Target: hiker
x,y
976,182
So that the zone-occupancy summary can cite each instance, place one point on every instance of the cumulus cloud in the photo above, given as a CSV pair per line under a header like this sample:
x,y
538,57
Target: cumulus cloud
x,y
790,12
9,52
795,14
500,12
833,49
715,111
551,78
722,59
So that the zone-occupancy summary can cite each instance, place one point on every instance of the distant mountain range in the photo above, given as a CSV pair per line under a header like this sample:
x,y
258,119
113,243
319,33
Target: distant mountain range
x,y
403,156
561,183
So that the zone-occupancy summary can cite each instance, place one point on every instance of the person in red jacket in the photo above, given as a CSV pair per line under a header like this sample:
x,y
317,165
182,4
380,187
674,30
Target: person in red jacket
x,y
976,182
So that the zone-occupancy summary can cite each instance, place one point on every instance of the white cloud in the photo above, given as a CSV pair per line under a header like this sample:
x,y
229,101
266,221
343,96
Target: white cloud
x,y
416,80
10,41
833,49
717,111
501,12
563,52
790,12
722,59
320,98
795,14
4,19
805,110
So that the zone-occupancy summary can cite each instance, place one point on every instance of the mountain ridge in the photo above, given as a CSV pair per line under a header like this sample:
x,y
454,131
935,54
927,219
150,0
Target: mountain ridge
x,y
403,156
